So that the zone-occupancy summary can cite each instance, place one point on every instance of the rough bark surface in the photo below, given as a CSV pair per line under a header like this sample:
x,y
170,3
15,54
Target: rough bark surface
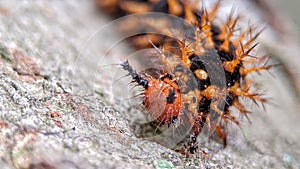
x,y
55,110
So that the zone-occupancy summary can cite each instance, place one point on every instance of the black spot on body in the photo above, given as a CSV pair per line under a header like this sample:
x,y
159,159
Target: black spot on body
x,y
204,105
171,97
225,56
235,76
197,63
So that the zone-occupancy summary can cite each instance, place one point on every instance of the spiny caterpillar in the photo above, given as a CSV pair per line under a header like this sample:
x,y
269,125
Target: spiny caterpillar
x,y
207,104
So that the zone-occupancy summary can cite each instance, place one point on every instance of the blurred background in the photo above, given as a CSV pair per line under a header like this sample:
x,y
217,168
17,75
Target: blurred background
x,y
290,8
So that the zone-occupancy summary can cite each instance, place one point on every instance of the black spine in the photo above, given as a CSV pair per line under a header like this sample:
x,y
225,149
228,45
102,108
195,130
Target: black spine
x,y
135,76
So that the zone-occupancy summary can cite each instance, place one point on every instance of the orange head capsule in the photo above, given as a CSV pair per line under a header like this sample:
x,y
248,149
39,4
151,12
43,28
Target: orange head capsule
x,y
163,100
162,97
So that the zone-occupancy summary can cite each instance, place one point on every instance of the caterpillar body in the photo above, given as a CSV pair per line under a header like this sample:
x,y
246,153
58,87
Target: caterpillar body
x,y
212,52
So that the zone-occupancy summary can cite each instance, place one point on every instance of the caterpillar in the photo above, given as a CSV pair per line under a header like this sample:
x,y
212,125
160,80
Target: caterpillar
x,y
212,57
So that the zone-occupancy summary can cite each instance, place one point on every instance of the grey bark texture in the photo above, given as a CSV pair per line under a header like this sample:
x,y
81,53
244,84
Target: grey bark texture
x,y
56,111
